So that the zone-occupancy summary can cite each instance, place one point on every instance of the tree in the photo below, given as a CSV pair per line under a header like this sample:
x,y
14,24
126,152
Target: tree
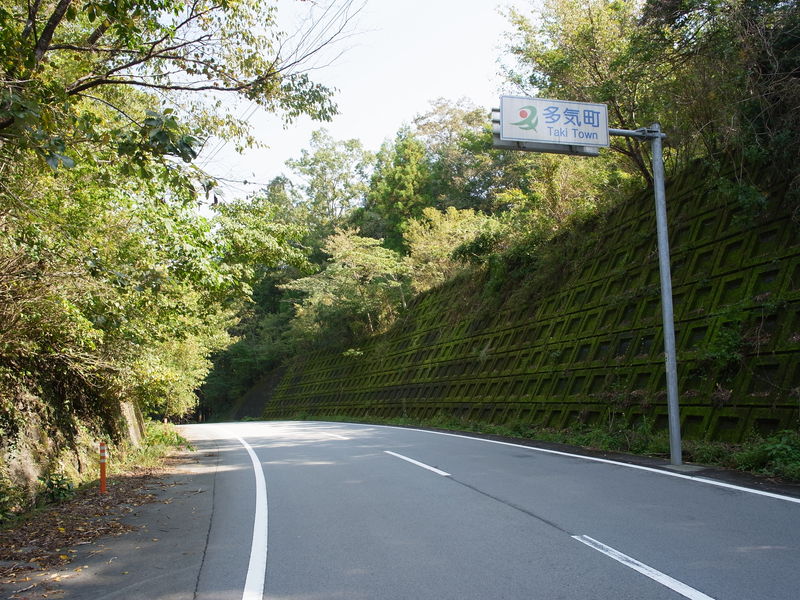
x,y
125,286
736,91
60,59
114,287
462,172
432,239
589,51
399,190
357,294
718,74
334,177
252,240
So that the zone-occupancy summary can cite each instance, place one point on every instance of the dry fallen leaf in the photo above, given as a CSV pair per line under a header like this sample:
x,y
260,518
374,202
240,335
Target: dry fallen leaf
x,y
34,545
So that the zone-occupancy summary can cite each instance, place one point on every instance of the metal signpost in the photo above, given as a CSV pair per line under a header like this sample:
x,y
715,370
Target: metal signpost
x,y
580,128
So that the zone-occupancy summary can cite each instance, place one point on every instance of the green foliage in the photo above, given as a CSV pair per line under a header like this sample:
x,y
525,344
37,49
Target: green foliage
x,y
163,434
777,455
57,487
262,342
61,62
463,170
725,348
252,238
714,73
432,239
358,293
589,51
738,53
11,499
398,190
481,248
112,286
334,179
751,201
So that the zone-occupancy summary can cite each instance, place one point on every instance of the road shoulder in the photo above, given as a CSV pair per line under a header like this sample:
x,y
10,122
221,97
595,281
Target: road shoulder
x,y
152,542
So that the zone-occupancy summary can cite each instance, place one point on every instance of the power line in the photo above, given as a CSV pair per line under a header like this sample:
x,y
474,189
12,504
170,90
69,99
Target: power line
x,y
221,142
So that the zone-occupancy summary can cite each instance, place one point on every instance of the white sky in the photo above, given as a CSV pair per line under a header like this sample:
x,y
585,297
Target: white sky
x,y
405,53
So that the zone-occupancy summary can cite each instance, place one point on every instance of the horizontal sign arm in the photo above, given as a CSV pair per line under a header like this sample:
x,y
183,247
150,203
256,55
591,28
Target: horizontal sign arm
x,y
645,133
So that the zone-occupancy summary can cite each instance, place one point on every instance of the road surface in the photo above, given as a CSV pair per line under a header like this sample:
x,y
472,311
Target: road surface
x,y
358,511
306,511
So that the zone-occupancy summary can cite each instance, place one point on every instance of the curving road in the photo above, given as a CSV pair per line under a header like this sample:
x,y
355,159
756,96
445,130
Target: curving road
x,y
308,511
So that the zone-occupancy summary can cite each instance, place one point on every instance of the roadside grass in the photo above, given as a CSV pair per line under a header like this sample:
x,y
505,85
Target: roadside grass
x,y
159,440
776,455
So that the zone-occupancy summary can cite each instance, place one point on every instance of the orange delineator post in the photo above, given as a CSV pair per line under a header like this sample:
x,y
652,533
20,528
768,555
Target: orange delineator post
x,y
102,467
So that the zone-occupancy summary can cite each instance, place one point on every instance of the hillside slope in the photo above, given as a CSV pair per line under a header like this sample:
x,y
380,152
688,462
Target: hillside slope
x,y
575,335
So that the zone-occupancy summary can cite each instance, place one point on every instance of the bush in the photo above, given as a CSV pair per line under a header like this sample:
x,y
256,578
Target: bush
x,y
11,499
162,434
57,487
777,455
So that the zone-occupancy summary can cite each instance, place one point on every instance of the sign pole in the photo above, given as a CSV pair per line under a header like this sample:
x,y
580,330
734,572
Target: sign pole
x,y
676,454
654,134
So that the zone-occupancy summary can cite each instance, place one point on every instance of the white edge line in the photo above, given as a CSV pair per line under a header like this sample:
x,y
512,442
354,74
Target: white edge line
x,y
721,484
419,464
662,578
256,569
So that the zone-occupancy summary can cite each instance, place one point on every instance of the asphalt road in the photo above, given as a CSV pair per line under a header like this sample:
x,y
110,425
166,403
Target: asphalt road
x,y
358,511
308,511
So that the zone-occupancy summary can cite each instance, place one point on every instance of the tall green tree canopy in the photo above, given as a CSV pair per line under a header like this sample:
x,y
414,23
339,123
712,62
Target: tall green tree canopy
x,y
399,189
333,182
62,60
719,75
588,51
356,294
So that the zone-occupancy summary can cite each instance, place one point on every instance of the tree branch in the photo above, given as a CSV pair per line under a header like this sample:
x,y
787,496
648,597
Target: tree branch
x,y
110,105
30,24
172,87
53,22
95,36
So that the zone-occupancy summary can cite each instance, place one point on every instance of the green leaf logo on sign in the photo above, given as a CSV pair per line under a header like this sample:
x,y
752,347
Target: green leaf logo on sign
x,y
529,120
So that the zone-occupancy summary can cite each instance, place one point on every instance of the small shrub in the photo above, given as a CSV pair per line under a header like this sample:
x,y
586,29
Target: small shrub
x,y
57,487
778,455
162,434
11,499
159,440
709,453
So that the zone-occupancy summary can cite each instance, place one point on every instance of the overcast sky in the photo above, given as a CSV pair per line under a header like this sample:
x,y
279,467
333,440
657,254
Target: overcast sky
x,y
404,54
